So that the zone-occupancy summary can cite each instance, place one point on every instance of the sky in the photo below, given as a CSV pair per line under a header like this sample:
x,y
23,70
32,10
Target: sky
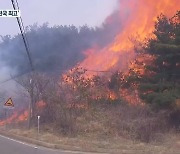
x,y
57,12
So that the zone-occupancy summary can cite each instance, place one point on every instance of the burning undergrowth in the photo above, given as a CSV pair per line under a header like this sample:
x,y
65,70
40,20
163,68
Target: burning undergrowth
x,y
110,72
118,55
14,117
17,115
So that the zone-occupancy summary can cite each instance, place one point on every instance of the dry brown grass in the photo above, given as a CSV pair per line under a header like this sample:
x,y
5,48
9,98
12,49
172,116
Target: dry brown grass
x,y
138,122
114,129
116,145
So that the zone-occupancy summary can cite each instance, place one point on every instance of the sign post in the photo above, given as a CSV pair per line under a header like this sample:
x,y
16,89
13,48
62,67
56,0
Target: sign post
x,y
6,119
38,117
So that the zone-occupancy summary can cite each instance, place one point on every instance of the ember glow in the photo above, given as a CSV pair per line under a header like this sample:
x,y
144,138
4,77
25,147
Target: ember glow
x,y
16,117
41,104
112,95
21,116
137,19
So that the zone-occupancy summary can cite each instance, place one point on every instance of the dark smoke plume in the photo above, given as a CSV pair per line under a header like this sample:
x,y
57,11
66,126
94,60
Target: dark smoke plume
x,y
58,48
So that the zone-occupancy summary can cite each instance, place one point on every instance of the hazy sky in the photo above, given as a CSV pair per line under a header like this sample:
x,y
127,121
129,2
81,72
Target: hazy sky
x,y
65,12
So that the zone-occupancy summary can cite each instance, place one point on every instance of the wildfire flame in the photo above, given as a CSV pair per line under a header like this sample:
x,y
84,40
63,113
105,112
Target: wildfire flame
x,y
21,116
15,118
137,19
41,104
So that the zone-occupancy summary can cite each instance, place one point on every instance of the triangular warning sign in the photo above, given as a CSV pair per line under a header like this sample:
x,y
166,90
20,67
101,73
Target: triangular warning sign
x,y
9,103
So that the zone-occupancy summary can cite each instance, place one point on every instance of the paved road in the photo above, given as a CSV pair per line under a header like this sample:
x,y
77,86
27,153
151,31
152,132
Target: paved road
x,y
10,146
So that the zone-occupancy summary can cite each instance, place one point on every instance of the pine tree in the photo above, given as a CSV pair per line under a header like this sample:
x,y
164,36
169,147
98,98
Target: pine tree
x,y
162,89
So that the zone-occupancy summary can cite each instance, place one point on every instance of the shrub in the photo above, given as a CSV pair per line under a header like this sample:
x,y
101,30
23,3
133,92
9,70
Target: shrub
x,y
138,122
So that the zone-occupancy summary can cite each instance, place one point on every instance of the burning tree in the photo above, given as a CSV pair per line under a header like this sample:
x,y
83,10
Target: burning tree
x,y
163,89
156,71
84,88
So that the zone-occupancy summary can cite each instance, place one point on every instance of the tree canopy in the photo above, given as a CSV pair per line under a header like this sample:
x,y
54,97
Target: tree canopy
x,y
162,89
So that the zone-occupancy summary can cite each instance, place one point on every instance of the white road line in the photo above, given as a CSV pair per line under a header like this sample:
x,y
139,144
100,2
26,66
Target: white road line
x,y
44,148
17,141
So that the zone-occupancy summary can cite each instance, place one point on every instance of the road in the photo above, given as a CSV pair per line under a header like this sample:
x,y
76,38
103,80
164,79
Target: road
x,y
10,146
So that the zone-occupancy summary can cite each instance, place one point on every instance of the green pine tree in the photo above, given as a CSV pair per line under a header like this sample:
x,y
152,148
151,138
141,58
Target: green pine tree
x,y
162,89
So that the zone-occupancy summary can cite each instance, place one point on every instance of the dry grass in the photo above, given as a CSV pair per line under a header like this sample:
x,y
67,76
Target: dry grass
x,y
170,145
114,129
138,122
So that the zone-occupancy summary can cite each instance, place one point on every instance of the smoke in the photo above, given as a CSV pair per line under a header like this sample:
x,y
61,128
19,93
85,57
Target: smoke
x,y
55,48
59,48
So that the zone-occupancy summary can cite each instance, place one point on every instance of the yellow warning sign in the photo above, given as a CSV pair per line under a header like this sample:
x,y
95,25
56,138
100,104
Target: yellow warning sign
x,y
9,103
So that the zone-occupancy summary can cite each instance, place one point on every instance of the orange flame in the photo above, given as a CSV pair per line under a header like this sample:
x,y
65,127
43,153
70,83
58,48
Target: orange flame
x,y
137,18
18,117
112,95
41,104
15,118
23,116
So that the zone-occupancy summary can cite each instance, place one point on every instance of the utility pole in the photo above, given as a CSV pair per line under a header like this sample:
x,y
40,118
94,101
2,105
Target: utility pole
x,y
31,103
22,30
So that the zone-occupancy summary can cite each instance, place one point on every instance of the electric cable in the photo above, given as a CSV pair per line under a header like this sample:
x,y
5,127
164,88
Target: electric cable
x,y
23,36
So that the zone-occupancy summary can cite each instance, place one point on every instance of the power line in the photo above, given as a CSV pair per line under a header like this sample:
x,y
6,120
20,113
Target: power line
x,y
21,27
17,4
98,71
14,77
